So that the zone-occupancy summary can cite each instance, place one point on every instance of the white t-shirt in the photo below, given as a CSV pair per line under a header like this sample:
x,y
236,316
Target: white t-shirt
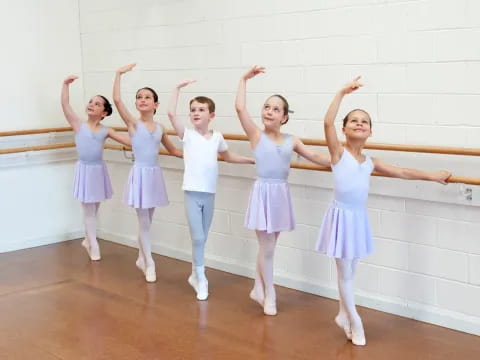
x,y
200,157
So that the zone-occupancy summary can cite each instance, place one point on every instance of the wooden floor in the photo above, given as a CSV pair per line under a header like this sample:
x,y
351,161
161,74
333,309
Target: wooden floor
x,y
56,304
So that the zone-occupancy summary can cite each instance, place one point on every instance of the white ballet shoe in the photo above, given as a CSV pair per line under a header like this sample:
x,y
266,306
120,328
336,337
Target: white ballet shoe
x,y
192,280
150,275
200,287
270,307
344,324
202,293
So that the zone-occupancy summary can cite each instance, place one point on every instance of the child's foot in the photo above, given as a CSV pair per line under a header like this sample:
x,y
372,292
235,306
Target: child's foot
x,y
270,307
358,334
200,287
257,295
86,246
344,324
92,251
192,280
150,274
202,293
140,263
95,252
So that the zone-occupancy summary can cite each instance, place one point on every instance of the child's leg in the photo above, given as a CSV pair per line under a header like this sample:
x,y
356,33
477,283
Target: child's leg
x,y
197,221
90,220
141,257
267,243
194,210
145,217
258,291
342,319
346,273
208,207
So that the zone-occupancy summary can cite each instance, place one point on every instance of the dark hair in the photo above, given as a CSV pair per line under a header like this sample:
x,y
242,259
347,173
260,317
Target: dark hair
x,y
286,109
106,105
345,119
155,95
204,100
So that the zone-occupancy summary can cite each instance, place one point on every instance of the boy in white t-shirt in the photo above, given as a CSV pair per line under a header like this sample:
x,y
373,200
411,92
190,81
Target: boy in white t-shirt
x,y
200,149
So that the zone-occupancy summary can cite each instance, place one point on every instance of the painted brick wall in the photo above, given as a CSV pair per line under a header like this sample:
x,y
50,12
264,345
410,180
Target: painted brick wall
x,y
420,61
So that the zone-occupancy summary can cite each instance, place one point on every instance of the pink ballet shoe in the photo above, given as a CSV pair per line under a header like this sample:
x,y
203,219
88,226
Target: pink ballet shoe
x,y
150,274
358,335
255,296
140,264
93,254
270,307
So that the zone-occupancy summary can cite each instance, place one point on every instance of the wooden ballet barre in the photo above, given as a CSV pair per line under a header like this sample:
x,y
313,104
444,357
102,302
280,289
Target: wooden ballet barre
x,y
35,131
294,165
452,179
315,142
36,148
307,166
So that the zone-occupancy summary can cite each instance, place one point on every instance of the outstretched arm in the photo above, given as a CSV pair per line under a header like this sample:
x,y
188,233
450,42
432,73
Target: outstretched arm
x,y
334,146
122,109
70,115
235,158
249,126
170,146
410,174
122,138
301,149
172,108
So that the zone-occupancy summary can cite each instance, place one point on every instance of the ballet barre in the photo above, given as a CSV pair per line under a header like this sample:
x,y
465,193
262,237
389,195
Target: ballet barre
x,y
294,165
447,150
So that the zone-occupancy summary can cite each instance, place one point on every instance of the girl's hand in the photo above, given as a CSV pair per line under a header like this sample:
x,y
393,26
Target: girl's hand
x,y
185,82
69,79
253,71
352,86
126,68
441,176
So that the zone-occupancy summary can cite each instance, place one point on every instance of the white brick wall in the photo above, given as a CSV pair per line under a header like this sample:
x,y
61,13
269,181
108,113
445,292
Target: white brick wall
x,y
420,62
40,47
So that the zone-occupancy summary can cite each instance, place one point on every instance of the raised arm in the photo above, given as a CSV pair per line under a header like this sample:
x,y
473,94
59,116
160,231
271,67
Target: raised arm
x,y
410,174
172,108
301,149
235,158
334,146
122,109
120,137
171,148
70,115
249,126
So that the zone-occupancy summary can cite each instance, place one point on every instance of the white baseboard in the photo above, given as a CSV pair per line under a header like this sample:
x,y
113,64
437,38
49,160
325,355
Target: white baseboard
x,y
39,241
408,309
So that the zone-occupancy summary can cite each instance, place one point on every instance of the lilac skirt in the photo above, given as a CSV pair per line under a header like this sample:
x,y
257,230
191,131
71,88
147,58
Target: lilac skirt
x,y
145,188
270,207
91,183
345,232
